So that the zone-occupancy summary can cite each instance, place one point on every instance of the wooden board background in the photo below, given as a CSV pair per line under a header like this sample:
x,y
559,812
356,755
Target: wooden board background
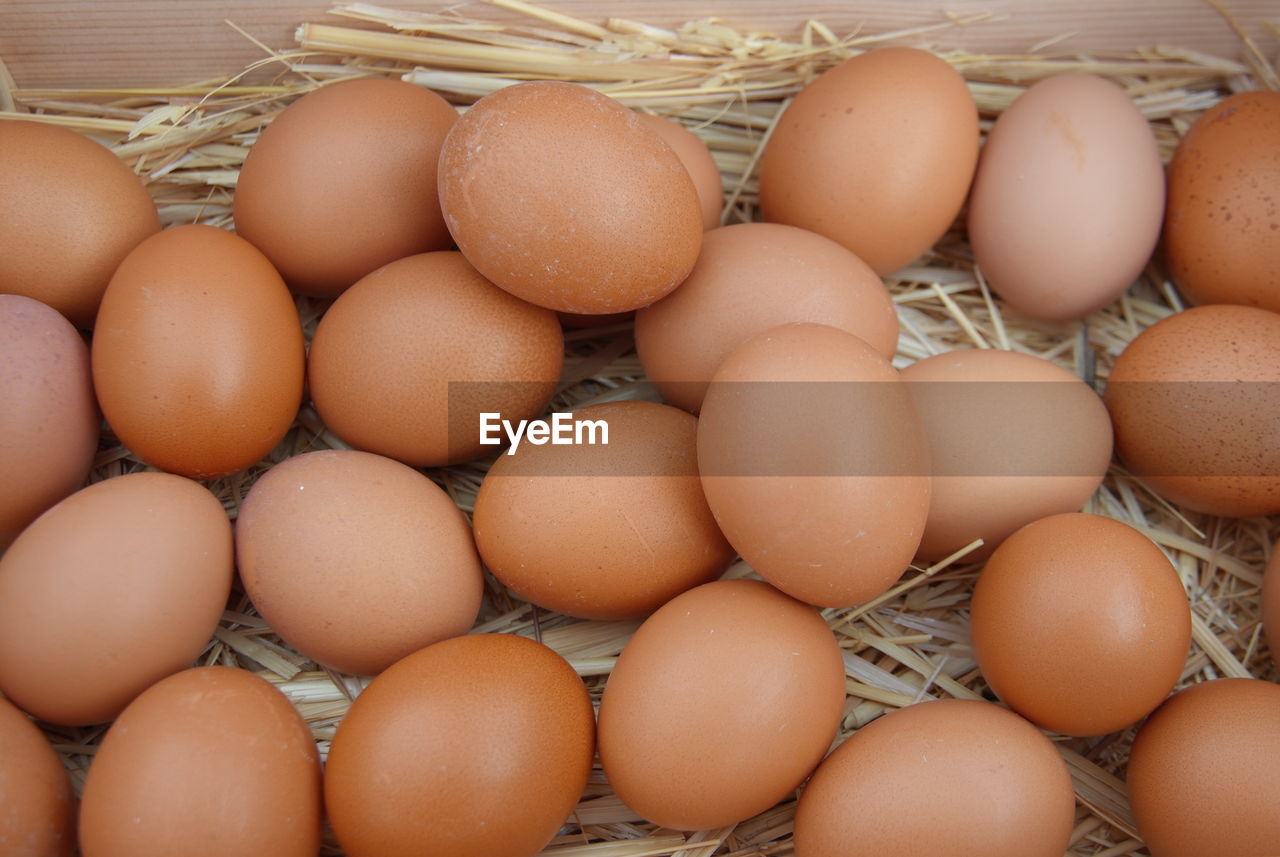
x,y
69,43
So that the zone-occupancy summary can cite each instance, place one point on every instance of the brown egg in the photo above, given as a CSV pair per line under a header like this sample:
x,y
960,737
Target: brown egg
x,y
343,181
720,705
1080,624
1271,603
198,358
815,463
697,159
404,363
356,560
49,423
209,762
478,745
1068,197
876,153
602,531
1196,418
751,277
39,817
1204,772
70,211
1222,225
1013,438
111,590
563,197
957,777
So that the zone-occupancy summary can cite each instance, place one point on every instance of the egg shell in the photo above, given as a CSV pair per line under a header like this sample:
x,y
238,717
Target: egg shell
x,y
210,761
603,531
1196,416
356,560
563,197
70,211
111,590
1271,603
750,277
479,745
958,777
49,423
876,153
1013,438
1204,772
406,360
198,357
39,817
1222,224
1068,198
815,463
720,705
1080,624
343,181
697,159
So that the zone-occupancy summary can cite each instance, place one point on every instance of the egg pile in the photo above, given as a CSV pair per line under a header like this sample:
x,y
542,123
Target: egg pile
x,y
451,252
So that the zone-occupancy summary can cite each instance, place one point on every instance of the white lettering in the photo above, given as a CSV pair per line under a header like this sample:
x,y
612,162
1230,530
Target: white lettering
x,y
562,430
538,432
588,428
489,426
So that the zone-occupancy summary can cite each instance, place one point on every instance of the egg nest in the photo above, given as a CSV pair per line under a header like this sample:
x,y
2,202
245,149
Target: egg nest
x,y
188,143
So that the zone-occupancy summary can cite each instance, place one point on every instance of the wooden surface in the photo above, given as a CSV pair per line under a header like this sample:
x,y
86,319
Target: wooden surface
x,y
139,42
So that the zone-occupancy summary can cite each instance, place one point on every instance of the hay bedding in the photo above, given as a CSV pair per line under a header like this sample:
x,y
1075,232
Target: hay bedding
x,y
911,644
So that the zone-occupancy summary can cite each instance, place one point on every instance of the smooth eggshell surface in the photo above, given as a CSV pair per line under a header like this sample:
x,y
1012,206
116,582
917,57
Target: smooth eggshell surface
x,y
1013,438
603,531
957,777
1222,224
815,463
70,211
1204,772
111,590
356,560
198,357
563,197
49,423
343,181
479,745
1080,624
210,762
877,153
697,159
1068,198
751,277
407,359
720,705
39,815
1196,416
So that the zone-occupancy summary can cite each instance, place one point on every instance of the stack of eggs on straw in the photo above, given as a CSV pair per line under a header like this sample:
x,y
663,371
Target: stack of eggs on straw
x,y
733,520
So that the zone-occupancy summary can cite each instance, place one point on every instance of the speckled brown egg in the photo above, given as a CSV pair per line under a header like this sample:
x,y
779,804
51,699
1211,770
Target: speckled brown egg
x,y
751,277
563,197
1271,604
1196,416
111,590
603,531
49,423
697,159
1204,772
70,211
720,705
211,761
39,815
1080,624
1222,223
479,745
406,360
876,153
947,778
343,181
815,463
1013,438
356,560
198,360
